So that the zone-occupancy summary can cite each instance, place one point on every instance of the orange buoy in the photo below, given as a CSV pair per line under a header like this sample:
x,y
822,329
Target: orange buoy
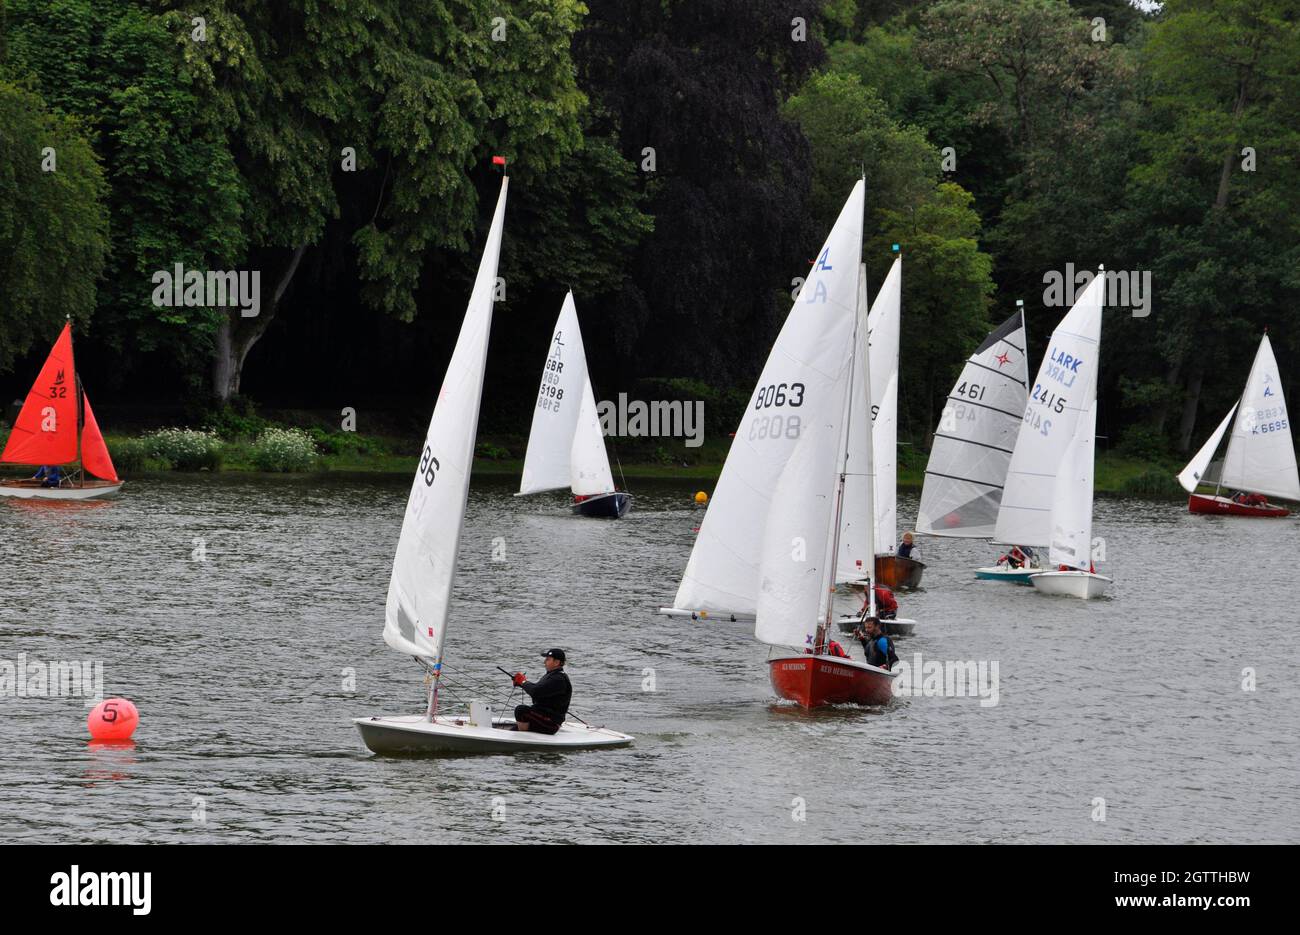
x,y
113,719
701,498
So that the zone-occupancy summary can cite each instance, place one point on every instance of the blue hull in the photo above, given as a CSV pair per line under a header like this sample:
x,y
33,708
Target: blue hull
x,y
605,506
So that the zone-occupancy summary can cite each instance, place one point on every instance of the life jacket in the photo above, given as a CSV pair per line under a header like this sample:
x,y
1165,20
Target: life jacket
x,y
835,649
885,600
882,659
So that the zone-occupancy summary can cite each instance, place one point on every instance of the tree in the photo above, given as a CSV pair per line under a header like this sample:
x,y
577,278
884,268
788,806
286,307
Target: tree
x,y
53,222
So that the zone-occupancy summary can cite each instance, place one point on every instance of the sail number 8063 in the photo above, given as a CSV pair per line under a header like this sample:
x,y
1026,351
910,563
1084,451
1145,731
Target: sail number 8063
x,y
779,394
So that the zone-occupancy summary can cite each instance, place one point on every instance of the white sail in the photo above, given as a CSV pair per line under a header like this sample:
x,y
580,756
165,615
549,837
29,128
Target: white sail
x,y
1072,498
885,324
559,401
793,579
1192,475
976,435
857,525
1062,391
1261,455
588,463
803,380
419,592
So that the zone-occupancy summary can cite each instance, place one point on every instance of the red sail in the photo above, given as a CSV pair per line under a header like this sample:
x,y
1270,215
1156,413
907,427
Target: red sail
x,y
94,453
45,431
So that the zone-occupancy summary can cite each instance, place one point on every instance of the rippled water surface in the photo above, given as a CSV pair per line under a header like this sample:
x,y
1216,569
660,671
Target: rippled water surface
x,y
239,666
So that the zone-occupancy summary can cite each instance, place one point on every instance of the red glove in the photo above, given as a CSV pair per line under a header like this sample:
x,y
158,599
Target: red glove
x,y
519,678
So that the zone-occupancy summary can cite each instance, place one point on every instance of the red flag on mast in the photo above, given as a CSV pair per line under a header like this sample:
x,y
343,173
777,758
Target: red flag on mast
x,y
45,431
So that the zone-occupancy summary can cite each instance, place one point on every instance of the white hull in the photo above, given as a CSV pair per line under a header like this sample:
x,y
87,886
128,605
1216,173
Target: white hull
x,y
412,734
23,491
1081,584
901,626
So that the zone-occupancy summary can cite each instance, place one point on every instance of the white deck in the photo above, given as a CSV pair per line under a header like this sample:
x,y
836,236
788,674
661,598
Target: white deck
x,y
413,734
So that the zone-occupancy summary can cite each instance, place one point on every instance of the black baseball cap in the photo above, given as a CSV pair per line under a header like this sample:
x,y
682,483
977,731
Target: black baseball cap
x,y
556,654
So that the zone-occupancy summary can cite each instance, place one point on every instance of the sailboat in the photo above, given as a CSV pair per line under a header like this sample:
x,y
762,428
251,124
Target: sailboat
x,y
1260,456
424,569
566,447
57,427
884,324
972,445
1047,500
768,547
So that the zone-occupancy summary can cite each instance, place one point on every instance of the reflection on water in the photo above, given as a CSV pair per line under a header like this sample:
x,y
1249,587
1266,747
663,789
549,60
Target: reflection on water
x,y
248,665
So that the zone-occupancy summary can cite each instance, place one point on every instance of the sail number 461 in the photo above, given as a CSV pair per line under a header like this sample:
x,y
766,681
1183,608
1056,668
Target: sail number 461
x,y
428,466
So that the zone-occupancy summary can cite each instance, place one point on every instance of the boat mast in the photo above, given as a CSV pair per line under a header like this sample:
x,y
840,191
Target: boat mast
x,y
81,412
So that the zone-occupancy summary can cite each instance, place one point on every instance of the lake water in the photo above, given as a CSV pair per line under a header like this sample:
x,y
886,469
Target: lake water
x,y
248,666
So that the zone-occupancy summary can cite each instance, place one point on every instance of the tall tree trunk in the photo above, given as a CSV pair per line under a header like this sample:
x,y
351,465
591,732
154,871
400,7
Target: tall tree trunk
x,y
1191,402
236,334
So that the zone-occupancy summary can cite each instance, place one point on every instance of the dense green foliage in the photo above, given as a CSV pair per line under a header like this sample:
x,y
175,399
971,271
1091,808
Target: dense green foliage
x,y
674,162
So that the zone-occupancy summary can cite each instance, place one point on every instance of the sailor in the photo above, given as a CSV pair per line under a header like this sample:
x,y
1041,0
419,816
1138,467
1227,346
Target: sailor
x,y
550,695
1016,558
48,475
886,606
905,549
878,647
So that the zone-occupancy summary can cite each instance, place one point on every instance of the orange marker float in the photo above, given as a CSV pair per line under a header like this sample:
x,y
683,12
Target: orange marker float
x,y
113,719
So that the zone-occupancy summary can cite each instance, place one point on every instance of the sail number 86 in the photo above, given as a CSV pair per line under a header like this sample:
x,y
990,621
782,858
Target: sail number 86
x,y
428,466
776,395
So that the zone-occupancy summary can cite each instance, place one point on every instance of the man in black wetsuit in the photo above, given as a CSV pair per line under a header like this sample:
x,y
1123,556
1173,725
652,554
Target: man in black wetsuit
x,y
878,647
550,695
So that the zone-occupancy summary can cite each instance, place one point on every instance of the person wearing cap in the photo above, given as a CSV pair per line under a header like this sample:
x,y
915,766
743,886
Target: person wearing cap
x,y
550,695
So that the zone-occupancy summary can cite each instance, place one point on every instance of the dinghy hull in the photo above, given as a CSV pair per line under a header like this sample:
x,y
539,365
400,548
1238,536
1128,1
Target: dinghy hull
x,y
815,681
605,506
32,490
1009,575
413,735
1224,506
899,573
1081,584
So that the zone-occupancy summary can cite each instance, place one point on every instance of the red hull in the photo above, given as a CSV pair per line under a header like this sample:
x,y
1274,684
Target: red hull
x,y
1223,506
814,681
898,573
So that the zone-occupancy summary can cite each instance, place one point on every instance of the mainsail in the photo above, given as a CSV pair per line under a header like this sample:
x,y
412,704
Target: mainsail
x,y
802,382
1261,455
884,324
1062,393
419,592
45,431
976,435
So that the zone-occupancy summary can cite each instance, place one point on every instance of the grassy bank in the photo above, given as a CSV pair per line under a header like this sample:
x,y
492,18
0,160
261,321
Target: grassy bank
x,y
501,455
